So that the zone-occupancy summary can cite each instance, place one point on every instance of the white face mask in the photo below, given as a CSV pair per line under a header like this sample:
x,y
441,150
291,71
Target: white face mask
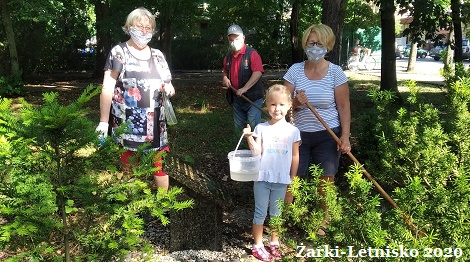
x,y
315,53
236,45
140,38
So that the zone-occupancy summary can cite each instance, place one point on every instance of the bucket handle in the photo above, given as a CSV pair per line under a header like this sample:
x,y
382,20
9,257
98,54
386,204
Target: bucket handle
x,y
239,141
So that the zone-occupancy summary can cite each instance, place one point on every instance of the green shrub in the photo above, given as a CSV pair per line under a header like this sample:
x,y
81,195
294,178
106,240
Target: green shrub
x,y
422,162
62,197
11,86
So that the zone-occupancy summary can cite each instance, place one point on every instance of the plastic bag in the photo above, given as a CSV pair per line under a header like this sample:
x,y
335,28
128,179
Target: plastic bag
x,y
169,112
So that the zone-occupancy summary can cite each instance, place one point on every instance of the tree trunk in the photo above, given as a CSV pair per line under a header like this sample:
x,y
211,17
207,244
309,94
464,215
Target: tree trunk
x,y
201,184
388,72
457,22
15,65
165,31
333,16
103,42
412,58
449,58
296,47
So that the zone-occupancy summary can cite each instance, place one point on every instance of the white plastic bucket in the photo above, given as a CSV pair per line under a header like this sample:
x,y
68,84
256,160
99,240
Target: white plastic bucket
x,y
244,166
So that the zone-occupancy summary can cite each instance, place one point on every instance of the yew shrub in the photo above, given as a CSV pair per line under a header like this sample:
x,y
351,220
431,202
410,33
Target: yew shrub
x,y
62,195
419,153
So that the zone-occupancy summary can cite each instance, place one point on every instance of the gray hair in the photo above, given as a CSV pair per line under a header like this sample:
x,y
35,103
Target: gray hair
x,y
137,15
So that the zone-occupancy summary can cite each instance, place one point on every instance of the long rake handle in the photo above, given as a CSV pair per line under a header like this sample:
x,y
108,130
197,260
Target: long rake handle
x,y
381,191
249,101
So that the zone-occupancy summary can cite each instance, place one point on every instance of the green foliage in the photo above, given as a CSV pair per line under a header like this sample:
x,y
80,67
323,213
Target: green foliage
x,y
58,189
458,123
428,18
262,23
306,211
11,86
48,34
422,162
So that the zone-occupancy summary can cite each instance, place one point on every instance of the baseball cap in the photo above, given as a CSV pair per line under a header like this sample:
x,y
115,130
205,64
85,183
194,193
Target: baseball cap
x,y
234,30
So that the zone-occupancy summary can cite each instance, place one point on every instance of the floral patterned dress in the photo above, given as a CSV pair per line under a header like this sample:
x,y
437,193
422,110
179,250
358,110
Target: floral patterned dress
x,y
137,98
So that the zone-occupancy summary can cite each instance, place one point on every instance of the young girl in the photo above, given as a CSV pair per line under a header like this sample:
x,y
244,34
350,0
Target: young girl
x,y
278,143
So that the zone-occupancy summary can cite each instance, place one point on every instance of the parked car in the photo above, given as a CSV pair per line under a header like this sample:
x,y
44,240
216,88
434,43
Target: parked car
x,y
399,51
422,53
465,48
436,52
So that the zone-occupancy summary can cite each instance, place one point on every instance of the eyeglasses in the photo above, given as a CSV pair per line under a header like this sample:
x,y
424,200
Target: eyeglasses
x,y
314,43
142,28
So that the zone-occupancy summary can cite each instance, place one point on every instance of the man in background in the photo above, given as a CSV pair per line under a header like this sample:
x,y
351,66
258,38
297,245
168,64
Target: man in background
x,y
243,69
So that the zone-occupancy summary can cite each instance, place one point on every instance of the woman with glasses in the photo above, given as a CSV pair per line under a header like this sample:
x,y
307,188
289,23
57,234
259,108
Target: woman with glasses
x,y
325,87
136,78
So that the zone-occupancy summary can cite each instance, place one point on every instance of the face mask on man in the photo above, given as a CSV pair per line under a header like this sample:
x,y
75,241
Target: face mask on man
x,y
315,53
236,45
140,38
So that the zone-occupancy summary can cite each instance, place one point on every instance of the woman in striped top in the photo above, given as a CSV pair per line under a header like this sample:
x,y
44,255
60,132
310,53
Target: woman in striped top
x,y
325,87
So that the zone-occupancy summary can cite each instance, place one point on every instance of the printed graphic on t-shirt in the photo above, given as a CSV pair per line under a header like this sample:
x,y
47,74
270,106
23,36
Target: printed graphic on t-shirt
x,y
137,99
277,145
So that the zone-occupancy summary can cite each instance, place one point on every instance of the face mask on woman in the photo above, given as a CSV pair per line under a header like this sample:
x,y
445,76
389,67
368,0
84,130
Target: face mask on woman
x,y
140,38
236,45
315,53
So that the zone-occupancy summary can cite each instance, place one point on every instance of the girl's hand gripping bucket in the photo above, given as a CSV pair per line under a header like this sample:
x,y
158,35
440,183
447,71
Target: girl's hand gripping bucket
x,y
244,165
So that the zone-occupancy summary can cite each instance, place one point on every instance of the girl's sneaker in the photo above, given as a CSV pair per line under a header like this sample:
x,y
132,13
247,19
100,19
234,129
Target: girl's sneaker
x,y
261,253
275,252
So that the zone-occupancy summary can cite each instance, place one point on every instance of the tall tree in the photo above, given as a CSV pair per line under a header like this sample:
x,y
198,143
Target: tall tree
x,y
412,57
388,72
14,64
333,15
360,15
448,59
296,47
45,34
264,23
428,18
176,19
168,10
456,7
103,39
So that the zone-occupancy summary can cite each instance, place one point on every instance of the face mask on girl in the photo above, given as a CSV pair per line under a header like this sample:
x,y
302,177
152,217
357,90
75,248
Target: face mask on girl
x,y
236,45
315,53
140,38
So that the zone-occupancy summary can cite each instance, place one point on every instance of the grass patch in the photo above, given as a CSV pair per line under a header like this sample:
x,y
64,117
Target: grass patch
x,y
205,120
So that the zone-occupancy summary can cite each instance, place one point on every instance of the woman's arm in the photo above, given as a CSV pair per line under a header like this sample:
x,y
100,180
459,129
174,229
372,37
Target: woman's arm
x,y
344,111
109,81
295,160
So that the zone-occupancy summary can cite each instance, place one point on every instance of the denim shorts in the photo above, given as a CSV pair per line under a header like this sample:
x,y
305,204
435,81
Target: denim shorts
x,y
319,148
267,195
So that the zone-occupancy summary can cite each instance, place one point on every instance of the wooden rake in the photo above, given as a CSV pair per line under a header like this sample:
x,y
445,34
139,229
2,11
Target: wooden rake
x,y
379,188
353,158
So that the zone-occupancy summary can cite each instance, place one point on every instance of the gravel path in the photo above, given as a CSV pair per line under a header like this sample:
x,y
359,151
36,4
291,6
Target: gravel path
x,y
236,242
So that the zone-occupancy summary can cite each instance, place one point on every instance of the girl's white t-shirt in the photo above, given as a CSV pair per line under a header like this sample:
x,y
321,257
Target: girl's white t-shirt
x,y
276,157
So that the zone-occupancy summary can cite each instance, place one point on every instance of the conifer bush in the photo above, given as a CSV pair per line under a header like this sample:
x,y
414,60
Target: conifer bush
x,y
62,195
420,155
